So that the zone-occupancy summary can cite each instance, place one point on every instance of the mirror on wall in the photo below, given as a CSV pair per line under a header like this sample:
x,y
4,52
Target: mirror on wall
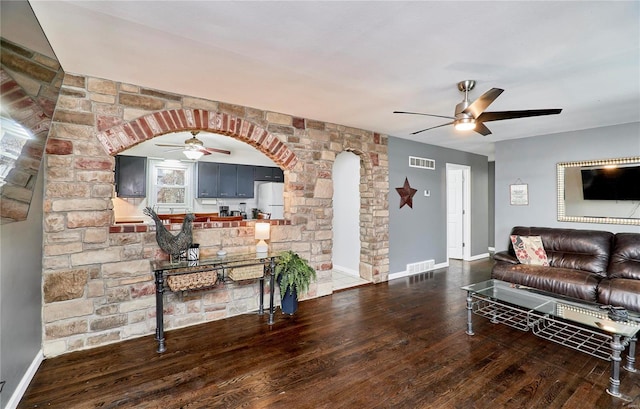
x,y
31,78
599,191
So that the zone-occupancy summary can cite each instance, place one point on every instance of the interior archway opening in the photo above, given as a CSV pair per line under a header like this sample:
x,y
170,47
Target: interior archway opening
x,y
347,246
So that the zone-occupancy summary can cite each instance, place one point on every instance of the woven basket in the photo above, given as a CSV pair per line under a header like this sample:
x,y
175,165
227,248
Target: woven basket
x,y
192,281
246,273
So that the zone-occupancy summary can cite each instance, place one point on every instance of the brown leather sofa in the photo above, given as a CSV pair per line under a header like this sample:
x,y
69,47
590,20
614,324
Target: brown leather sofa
x,y
590,265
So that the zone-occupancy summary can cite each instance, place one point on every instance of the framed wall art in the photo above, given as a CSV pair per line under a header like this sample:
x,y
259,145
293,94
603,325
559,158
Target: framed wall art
x,y
519,194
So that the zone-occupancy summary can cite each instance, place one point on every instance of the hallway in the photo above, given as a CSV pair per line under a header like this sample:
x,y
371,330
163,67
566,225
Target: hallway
x,y
342,281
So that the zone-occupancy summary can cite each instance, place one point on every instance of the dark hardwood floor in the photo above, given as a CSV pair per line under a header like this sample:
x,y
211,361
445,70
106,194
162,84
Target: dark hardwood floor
x,y
400,344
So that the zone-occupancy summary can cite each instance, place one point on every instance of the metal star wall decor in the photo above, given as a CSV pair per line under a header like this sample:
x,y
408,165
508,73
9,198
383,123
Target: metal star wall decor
x,y
406,193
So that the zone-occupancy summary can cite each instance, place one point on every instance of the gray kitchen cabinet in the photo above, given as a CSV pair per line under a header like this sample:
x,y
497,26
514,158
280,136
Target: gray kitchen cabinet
x,y
208,175
228,179
235,181
245,181
131,176
278,175
268,174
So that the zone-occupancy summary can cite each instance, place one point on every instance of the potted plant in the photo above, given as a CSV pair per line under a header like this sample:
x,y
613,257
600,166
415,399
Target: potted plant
x,y
294,274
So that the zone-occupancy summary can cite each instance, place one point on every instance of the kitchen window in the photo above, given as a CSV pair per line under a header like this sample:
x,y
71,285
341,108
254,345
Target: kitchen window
x,y
171,186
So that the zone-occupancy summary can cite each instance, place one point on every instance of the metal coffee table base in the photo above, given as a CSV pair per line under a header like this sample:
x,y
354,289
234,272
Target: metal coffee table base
x,y
599,344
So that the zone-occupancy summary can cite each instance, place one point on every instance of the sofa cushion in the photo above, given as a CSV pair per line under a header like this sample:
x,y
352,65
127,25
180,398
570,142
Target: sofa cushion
x,y
506,257
565,281
621,292
586,250
625,257
529,250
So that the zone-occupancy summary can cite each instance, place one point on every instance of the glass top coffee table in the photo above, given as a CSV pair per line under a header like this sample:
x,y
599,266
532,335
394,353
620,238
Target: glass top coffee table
x,y
585,327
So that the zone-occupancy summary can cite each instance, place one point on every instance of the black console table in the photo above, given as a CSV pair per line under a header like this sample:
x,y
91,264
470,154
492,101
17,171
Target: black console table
x,y
206,274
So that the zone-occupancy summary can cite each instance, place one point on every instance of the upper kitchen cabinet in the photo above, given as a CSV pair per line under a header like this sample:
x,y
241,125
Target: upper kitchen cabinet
x,y
268,174
245,180
131,176
235,181
208,182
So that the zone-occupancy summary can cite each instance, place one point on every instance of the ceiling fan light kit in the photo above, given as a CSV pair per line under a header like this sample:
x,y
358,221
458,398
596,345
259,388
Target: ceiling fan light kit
x,y
192,154
465,124
471,116
194,142
193,148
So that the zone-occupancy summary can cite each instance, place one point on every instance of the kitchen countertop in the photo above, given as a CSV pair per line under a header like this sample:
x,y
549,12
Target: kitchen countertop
x,y
178,218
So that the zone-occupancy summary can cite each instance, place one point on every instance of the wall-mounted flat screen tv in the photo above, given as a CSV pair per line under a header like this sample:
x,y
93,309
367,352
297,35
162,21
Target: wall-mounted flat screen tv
x,y
615,183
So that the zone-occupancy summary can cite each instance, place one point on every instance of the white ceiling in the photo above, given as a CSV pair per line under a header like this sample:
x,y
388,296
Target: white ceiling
x,y
354,63
240,152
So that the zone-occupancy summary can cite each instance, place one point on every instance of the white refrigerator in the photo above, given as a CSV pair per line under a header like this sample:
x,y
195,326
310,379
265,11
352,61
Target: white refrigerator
x,y
271,200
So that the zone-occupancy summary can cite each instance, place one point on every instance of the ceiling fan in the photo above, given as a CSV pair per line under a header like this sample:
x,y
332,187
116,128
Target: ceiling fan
x,y
193,147
471,116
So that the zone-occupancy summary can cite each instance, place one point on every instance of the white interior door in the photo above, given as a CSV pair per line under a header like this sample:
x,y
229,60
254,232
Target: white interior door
x,y
455,222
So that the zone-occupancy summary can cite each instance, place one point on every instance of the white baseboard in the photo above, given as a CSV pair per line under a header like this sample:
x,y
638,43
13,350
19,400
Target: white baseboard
x,y
24,382
477,257
346,270
441,265
401,274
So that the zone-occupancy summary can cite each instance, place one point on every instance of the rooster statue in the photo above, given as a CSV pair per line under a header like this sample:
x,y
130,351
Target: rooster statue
x,y
170,244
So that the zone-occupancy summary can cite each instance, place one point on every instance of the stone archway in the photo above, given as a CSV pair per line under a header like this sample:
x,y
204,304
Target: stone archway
x,y
367,268
122,137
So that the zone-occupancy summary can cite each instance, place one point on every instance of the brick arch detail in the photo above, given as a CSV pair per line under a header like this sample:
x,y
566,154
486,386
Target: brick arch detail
x,y
121,137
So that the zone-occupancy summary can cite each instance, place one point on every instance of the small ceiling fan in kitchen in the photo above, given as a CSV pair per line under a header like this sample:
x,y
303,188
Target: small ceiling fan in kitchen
x,y
193,147
471,116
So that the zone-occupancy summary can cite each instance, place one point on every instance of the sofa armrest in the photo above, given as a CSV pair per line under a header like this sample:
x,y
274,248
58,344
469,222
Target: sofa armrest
x,y
506,257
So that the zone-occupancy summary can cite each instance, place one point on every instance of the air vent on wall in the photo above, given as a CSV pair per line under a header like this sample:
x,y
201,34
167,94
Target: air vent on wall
x,y
420,266
422,163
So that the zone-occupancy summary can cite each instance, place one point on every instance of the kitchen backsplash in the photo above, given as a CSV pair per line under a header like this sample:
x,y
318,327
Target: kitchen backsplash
x,y
130,210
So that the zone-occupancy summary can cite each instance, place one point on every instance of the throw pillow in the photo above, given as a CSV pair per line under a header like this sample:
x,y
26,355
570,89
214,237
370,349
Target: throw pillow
x,y
529,250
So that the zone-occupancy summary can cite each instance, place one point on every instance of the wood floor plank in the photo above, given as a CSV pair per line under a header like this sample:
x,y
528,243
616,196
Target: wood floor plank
x,y
400,344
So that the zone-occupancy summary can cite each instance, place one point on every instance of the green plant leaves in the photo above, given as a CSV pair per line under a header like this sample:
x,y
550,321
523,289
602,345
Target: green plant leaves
x,y
292,271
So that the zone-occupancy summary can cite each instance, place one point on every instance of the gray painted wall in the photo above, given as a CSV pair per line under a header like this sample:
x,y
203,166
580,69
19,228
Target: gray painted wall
x,y
20,294
420,233
533,161
492,204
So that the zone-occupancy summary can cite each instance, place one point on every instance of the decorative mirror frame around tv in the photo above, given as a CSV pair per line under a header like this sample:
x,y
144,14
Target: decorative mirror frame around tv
x,y
571,202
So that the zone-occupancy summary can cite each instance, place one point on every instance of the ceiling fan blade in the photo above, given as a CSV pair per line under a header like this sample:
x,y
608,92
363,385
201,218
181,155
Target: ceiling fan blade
x,y
216,150
169,145
501,115
173,150
433,127
478,106
482,129
419,113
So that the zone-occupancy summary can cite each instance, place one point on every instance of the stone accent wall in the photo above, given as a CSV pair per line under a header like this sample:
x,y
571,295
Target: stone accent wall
x,y
98,286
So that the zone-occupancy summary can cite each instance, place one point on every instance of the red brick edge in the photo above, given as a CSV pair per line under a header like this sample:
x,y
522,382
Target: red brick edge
x,y
122,137
143,227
